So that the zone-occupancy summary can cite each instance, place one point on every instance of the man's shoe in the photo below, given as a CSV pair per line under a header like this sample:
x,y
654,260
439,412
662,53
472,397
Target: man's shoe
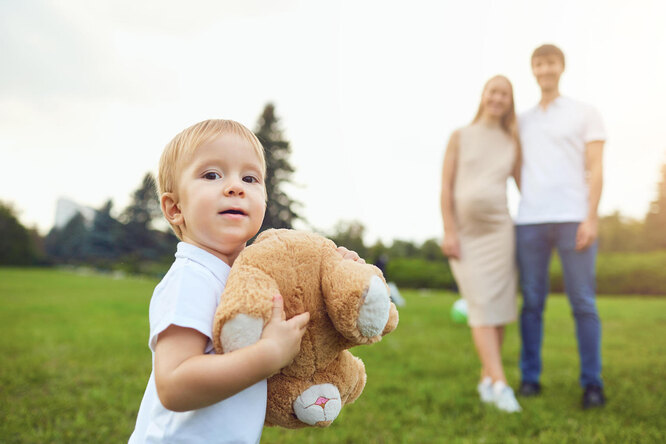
x,y
528,389
593,396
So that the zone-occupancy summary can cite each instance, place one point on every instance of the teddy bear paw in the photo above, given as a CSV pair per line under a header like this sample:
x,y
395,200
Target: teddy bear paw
x,y
374,312
241,331
318,404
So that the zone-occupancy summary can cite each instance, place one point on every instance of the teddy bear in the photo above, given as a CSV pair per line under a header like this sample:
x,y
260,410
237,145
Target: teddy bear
x,y
349,305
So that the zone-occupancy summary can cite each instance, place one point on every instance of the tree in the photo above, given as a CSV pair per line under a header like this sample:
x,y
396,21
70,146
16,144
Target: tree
x,y
619,234
402,249
376,251
431,251
138,239
280,212
17,246
105,235
69,244
349,234
145,204
655,220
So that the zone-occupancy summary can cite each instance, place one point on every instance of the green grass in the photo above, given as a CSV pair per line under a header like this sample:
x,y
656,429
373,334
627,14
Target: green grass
x,y
75,363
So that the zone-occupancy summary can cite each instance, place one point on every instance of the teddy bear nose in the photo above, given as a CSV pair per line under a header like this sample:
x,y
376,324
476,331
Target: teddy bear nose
x,y
321,401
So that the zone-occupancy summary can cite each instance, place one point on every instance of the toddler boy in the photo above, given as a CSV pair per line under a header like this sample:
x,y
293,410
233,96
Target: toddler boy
x,y
211,183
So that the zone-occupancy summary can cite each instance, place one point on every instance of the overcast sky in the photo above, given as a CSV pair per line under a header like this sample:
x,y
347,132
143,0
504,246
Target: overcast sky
x,y
368,93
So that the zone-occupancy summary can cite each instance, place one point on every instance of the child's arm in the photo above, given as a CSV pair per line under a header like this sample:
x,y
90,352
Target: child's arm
x,y
188,379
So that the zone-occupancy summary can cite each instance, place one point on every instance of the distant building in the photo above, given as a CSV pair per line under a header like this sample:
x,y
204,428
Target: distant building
x,y
66,209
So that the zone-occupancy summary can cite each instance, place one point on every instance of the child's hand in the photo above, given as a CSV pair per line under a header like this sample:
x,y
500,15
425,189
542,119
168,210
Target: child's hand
x,y
348,254
284,336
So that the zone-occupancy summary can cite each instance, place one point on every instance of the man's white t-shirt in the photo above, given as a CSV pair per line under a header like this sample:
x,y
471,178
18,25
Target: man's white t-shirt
x,y
553,185
188,296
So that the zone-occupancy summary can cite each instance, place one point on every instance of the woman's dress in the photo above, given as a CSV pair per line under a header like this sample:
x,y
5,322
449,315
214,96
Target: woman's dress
x,y
486,270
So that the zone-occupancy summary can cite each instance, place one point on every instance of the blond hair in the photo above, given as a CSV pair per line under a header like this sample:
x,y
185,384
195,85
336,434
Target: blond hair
x,y
508,122
186,142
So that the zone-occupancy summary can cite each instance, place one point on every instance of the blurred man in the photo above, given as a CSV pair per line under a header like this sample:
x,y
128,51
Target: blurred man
x,y
562,144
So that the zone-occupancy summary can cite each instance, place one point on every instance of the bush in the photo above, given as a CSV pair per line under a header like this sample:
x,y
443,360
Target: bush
x,y
622,273
617,273
419,273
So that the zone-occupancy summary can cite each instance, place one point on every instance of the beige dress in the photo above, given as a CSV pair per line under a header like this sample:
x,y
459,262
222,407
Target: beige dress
x,y
486,270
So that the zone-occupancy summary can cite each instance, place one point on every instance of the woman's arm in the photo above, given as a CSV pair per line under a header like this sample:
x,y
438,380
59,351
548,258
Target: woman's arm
x,y
187,379
518,164
450,244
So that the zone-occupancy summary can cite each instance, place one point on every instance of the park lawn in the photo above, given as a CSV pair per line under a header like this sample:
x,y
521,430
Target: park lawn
x,y
75,363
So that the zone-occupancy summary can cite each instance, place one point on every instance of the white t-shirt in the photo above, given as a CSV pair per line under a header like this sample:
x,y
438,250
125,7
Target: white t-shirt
x,y
553,186
188,296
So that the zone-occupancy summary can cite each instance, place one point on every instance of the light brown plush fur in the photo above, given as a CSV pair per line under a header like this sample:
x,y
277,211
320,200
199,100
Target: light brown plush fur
x,y
311,276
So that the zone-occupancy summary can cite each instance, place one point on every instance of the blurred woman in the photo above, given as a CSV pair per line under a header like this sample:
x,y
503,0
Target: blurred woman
x,y
478,230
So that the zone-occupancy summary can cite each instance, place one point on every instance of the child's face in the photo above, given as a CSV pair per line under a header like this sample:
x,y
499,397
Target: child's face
x,y
221,196
547,71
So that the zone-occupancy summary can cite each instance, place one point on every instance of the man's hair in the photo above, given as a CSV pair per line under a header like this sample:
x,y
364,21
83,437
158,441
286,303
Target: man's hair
x,y
186,143
546,50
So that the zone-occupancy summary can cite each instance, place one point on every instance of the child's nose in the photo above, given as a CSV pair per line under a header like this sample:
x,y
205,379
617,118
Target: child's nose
x,y
234,188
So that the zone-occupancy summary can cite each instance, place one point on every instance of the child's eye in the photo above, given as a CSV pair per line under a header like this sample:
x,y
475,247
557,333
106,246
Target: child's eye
x,y
250,179
211,176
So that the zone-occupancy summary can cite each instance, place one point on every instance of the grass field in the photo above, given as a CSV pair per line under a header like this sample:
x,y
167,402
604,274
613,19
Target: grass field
x,y
75,363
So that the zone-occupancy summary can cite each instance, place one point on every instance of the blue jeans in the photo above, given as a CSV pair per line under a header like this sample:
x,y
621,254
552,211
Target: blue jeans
x,y
535,244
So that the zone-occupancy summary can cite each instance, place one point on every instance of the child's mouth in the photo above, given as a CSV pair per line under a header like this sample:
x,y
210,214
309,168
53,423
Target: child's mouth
x,y
233,211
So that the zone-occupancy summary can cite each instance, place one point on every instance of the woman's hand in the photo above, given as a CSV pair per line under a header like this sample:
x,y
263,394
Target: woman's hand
x,y
451,246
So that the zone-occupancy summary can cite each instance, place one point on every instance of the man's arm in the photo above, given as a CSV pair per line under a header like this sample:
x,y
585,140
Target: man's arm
x,y
588,229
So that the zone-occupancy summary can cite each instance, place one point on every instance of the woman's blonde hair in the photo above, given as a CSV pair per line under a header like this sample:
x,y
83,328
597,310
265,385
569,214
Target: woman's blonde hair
x,y
508,122
181,147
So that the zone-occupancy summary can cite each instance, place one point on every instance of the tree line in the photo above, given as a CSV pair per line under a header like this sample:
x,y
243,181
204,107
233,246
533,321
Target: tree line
x,y
127,242
617,234
621,234
131,242
632,257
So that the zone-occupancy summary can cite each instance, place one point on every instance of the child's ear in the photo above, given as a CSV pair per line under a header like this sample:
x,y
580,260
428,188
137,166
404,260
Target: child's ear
x,y
170,209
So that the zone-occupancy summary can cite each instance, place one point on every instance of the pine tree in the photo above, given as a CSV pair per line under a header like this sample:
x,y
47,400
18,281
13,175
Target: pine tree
x,y
145,204
138,239
105,235
280,212
70,243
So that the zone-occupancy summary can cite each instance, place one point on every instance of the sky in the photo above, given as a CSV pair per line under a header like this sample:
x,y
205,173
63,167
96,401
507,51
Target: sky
x,y
368,93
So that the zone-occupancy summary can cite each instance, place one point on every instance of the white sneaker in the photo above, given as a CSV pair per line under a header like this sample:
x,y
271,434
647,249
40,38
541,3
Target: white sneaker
x,y
504,399
485,389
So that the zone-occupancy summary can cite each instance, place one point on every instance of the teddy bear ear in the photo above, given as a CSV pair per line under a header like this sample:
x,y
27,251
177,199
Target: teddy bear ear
x,y
266,234
262,236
